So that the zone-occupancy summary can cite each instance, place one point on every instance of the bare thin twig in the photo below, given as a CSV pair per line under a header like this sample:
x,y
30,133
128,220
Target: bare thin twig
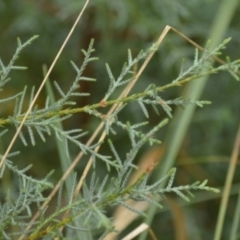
x,y
38,92
123,94
42,85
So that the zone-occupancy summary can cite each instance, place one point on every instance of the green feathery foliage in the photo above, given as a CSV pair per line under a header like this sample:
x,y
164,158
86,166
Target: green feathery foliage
x,y
98,194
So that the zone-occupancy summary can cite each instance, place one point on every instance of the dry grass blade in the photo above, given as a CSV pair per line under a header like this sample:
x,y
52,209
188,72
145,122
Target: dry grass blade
x,y
141,228
227,187
124,94
39,90
196,45
136,231
42,85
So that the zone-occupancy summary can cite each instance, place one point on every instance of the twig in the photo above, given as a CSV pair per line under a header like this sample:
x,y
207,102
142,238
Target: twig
x,y
37,94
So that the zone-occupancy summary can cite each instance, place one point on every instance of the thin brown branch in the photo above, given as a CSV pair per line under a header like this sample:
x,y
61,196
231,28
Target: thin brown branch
x,y
35,98
228,185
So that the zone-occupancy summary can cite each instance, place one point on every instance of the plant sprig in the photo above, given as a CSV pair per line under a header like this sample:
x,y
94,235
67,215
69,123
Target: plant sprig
x,y
97,195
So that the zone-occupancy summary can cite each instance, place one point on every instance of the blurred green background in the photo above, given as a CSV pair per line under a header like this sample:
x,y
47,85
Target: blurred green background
x,y
117,26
